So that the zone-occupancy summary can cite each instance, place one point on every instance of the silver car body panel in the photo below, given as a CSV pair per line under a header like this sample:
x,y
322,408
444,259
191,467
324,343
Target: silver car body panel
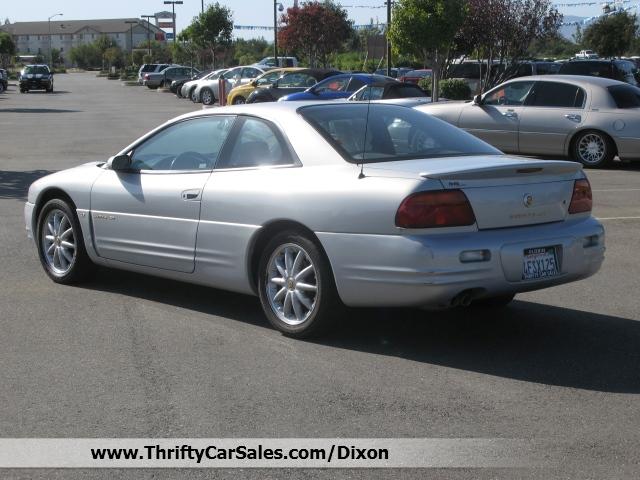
x,y
534,130
210,240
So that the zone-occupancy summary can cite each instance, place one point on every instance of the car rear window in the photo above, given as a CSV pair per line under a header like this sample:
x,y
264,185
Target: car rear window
x,y
371,133
149,68
37,70
625,96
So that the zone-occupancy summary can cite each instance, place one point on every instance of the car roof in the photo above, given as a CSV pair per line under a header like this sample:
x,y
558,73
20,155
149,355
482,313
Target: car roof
x,y
581,80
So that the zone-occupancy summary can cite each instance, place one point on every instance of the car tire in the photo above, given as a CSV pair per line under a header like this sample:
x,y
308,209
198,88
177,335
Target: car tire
x,y
193,96
60,244
2,89
593,149
239,100
298,309
207,97
500,301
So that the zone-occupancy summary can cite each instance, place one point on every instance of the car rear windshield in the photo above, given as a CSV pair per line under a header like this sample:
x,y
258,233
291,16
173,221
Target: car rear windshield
x,y
625,96
368,133
37,70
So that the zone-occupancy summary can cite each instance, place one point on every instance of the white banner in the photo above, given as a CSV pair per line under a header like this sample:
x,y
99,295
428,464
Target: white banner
x,y
264,453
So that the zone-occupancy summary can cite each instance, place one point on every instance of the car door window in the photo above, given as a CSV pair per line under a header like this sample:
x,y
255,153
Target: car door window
x,y
510,94
555,94
258,143
293,80
189,145
332,85
355,84
250,73
268,78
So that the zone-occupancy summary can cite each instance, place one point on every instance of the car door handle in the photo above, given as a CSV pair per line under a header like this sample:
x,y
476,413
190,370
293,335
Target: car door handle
x,y
573,117
510,114
191,194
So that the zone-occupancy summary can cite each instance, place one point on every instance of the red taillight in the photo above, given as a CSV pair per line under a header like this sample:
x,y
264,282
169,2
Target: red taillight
x,y
441,208
581,200
146,76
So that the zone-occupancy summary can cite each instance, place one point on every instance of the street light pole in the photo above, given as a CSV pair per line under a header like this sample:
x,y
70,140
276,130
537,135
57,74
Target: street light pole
x,y
49,25
276,7
147,17
388,2
173,4
132,23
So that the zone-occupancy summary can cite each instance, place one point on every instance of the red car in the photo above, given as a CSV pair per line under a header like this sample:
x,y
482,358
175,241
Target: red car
x,y
414,76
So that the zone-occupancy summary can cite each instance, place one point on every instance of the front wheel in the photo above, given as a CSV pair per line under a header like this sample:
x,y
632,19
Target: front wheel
x,y
239,100
296,287
60,244
2,89
593,149
207,96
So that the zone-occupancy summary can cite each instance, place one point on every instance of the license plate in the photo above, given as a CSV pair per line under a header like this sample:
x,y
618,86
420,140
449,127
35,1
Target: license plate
x,y
540,262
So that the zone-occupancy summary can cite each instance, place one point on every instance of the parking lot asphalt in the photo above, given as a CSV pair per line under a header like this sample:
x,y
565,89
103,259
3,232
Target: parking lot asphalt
x,y
127,355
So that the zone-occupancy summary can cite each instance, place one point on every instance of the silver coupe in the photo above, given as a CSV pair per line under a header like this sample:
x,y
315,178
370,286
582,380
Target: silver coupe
x,y
588,119
314,206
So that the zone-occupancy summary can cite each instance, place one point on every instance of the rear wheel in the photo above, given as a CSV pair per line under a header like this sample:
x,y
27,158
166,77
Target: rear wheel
x,y
296,287
2,87
207,96
593,149
60,244
239,100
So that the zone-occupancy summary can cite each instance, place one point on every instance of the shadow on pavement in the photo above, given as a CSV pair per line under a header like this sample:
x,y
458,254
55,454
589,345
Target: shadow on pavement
x,y
527,341
16,184
37,110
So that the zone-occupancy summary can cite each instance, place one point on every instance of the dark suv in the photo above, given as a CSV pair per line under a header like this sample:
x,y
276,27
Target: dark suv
x,y
36,77
4,80
623,70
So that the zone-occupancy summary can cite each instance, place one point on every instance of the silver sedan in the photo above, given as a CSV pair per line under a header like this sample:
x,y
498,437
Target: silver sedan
x,y
314,206
588,119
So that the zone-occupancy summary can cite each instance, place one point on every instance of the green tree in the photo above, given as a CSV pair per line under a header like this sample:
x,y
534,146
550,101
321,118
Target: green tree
x,y
7,48
426,29
250,51
114,56
56,57
211,29
613,35
86,56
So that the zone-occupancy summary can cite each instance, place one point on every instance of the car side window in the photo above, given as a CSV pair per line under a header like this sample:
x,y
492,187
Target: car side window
x,y
332,85
250,73
296,80
188,145
555,94
355,84
258,143
268,79
511,94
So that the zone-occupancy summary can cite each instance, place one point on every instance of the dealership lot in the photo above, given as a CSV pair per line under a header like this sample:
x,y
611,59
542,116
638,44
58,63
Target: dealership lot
x,y
133,356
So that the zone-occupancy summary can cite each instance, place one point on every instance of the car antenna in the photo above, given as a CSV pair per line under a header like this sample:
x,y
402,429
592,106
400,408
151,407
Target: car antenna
x,y
361,175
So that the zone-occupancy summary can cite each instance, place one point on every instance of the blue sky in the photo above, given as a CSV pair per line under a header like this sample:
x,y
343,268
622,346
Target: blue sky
x,y
246,12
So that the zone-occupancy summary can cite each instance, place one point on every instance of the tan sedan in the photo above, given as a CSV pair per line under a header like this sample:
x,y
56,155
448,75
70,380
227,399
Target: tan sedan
x,y
588,119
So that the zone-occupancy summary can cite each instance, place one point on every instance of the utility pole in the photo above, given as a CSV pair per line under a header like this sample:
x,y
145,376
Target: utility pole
x,y
147,17
132,23
388,3
173,4
276,8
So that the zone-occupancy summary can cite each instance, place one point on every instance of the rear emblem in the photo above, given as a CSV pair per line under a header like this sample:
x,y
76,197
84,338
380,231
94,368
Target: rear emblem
x,y
527,200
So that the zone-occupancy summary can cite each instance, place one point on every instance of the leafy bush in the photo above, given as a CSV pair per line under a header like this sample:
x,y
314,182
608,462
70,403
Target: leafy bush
x,y
454,89
425,84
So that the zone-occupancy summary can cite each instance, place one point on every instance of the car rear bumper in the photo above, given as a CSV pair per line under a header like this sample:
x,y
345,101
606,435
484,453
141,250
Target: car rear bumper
x,y
425,270
35,84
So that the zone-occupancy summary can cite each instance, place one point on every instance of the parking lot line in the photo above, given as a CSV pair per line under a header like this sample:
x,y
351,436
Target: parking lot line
x,y
618,218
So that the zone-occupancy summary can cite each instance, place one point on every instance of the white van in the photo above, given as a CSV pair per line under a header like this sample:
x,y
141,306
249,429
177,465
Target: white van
x,y
270,62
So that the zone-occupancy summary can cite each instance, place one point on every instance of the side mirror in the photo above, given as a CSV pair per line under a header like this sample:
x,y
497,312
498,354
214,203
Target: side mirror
x,y
274,85
253,83
477,100
119,163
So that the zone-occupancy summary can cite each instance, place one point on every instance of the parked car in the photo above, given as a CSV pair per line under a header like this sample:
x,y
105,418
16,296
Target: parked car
x,y
189,87
4,80
414,76
319,205
283,62
335,87
623,70
150,68
531,68
586,54
292,82
387,90
470,72
240,94
168,75
206,92
35,77
395,72
589,119
176,85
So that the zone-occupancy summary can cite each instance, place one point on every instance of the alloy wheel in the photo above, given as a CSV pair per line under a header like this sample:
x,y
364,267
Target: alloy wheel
x,y
292,284
592,148
58,242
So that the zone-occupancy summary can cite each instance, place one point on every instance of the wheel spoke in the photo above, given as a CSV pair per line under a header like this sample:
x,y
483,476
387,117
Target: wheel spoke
x,y
64,264
297,307
66,233
304,272
306,287
56,224
287,261
56,258
305,301
50,238
278,281
296,263
50,227
278,296
68,245
281,269
51,248
62,224
286,308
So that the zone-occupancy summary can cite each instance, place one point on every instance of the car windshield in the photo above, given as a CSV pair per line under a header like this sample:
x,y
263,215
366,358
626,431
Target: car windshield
x,y
368,133
36,69
625,96
418,73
